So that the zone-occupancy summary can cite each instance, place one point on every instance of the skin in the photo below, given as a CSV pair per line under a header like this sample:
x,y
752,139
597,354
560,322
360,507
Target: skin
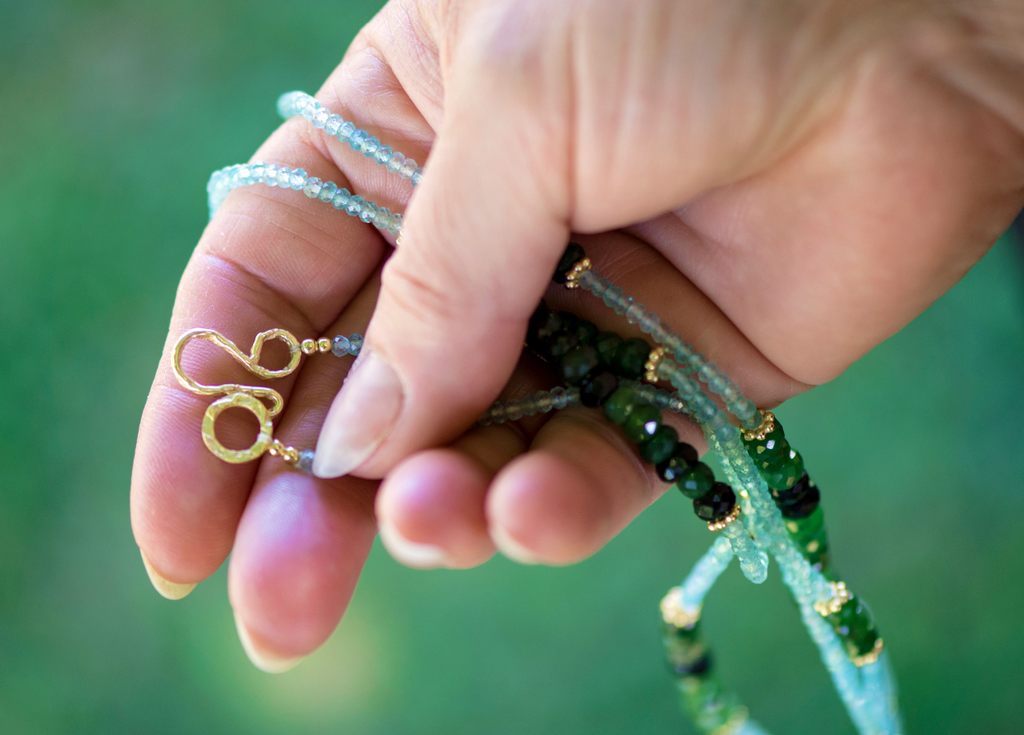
x,y
786,183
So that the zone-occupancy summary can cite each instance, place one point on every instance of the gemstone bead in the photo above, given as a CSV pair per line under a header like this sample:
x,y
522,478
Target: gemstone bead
x,y
641,423
543,325
327,191
357,138
346,130
320,117
716,504
395,162
312,187
333,123
597,387
354,205
619,404
560,344
340,346
787,475
573,254
767,447
577,363
368,212
586,332
409,167
355,342
383,154
341,197
569,321
660,446
607,343
696,480
298,180
804,505
630,358
682,459
853,623
369,147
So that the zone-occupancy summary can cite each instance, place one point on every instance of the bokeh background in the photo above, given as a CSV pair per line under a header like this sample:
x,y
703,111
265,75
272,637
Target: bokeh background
x,y
112,115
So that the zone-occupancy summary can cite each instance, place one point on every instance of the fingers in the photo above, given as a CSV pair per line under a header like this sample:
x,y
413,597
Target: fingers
x,y
480,242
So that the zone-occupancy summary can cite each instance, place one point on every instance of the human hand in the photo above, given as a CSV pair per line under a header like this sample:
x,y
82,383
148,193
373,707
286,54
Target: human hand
x,y
815,176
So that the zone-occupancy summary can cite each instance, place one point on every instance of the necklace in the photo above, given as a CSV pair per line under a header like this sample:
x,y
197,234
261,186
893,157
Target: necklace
x,y
768,508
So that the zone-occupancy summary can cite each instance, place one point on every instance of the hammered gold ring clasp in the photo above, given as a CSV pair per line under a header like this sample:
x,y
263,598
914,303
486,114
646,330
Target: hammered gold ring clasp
x,y
250,403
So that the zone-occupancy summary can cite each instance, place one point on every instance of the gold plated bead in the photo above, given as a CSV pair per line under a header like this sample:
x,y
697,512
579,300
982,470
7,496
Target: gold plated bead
x,y
840,596
719,525
651,366
675,613
572,278
766,427
871,656
323,344
308,346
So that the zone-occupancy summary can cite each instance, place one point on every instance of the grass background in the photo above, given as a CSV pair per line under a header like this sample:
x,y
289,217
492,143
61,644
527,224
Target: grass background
x,y
112,115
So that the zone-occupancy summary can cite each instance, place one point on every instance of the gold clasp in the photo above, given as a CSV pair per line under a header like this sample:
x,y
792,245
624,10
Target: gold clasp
x,y
236,395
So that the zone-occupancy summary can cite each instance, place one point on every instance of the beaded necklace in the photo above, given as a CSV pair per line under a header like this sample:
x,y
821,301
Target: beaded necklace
x,y
769,506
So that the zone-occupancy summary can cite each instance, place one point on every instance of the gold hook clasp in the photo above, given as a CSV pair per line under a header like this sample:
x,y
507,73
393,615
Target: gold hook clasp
x,y
236,395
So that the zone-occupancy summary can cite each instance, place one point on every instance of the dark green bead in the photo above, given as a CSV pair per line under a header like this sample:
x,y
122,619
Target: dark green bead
x,y
660,446
619,404
758,448
774,460
607,343
572,255
630,357
696,481
681,460
641,422
786,476
598,387
715,504
560,344
853,623
543,325
586,332
806,529
577,363
569,321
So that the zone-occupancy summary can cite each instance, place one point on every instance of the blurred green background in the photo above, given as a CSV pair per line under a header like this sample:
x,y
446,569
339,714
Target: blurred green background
x,y
112,115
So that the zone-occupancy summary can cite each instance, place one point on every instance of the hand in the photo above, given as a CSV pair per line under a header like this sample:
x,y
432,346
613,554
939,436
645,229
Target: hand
x,y
789,185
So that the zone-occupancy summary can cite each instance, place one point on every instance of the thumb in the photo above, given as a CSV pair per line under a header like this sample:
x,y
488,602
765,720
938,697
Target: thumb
x,y
482,237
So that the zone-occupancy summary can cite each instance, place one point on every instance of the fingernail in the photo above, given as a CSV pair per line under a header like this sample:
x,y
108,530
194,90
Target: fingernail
x,y
170,590
360,417
511,548
411,553
262,660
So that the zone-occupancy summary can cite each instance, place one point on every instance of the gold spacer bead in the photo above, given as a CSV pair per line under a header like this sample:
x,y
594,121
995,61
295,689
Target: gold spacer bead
x,y
766,427
323,344
674,613
308,346
572,278
840,596
651,366
719,525
870,657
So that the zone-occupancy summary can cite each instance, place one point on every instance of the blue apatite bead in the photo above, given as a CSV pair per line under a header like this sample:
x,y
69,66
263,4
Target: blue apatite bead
x,y
312,187
333,123
327,191
270,175
345,131
256,172
286,103
383,154
368,212
284,177
244,175
408,168
369,147
382,218
396,162
309,110
341,197
341,346
320,118
298,180
355,205
356,139
355,344
395,225
417,176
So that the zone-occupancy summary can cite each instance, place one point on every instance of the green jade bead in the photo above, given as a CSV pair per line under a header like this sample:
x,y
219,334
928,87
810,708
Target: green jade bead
x,y
630,358
775,459
577,364
619,404
786,476
606,344
803,530
696,481
586,332
854,625
660,446
642,422
769,446
561,344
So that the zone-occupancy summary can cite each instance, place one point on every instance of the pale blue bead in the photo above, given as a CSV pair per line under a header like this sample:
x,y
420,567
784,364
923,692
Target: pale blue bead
x,y
382,218
396,162
635,313
515,411
368,212
356,139
312,187
544,401
408,168
345,131
497,412
270,175
395,225
355,204
355,344
383,154
298,181
646,393
305,463
560,397
697,362
529,406
327,191
341,197
310,109
256,172
286,104
284,177
333,123
244,176
649,322
320,118
417,176
340,346
369,147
